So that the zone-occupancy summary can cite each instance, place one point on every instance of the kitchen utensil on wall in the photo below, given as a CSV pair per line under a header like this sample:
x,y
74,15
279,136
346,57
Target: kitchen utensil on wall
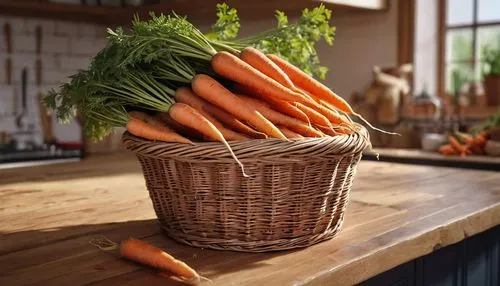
x,y
21,118
38,63
38,67
8,37
8,44
38,33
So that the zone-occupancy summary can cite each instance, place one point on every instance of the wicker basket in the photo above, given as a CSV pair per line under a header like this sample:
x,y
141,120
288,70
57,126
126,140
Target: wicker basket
x,y
296,196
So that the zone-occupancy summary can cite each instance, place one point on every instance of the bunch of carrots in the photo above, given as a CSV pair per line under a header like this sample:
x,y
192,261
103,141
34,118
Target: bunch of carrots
x,y
463,144
264,97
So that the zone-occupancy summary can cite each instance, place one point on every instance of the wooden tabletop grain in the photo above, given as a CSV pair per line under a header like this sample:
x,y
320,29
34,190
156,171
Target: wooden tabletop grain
x,y
397,212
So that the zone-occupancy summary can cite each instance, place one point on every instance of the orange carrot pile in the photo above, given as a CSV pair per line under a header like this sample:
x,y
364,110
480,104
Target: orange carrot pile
x,y
251,96
463,144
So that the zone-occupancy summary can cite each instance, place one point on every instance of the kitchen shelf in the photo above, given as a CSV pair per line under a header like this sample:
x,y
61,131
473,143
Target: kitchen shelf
x,y
200,12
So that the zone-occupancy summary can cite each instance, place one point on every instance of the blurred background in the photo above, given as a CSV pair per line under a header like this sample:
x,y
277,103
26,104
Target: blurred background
x,y
416,67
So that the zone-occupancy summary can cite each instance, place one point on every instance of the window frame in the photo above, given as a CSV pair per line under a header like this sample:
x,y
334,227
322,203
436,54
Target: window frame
x,y
443,29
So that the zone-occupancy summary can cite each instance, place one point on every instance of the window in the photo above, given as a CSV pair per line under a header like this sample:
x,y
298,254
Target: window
x,y
469,27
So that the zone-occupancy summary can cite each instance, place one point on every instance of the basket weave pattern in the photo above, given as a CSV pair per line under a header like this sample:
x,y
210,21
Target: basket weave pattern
x,y
296,196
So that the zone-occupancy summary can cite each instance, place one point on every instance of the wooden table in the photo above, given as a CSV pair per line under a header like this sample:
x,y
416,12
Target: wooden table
x,y
417,156
397,213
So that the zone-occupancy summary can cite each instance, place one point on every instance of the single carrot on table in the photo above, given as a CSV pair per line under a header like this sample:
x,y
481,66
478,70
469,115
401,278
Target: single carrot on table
x,y
152,256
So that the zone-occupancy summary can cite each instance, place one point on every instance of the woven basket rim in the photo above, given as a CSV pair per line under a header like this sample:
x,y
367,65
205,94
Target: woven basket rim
x,y
256,149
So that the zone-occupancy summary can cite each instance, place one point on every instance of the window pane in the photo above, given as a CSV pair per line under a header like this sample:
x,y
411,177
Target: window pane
x,y
459,45
457,75
480,70
460,12
488,10
487,37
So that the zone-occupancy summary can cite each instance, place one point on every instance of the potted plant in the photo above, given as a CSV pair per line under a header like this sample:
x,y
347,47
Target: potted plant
x,y
491,74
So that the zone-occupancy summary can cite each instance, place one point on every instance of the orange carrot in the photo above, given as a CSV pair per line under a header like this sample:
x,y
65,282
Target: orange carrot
x,y
223,116
455,144
212,91
235,69
309,84
282,106
328,111
281,119
289,133
144,126
304,81
461,149
262,63
150,255
480,139
183,130
447,150
316,117
290,109
475,149
233,123
187,96
189,117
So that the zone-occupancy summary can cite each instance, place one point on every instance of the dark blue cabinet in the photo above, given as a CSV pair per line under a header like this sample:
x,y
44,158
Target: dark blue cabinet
x,y
474,261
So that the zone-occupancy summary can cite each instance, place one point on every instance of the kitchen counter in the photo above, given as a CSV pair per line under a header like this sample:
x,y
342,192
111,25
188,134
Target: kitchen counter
x,y
397,213
420,157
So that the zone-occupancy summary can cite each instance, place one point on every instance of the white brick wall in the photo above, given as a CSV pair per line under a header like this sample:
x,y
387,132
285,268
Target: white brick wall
x,y
85,46
87,30
55,44
6,103
23,43
50,61
73,63
17,25
3,72
67,29
48,26
3,48
66,47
